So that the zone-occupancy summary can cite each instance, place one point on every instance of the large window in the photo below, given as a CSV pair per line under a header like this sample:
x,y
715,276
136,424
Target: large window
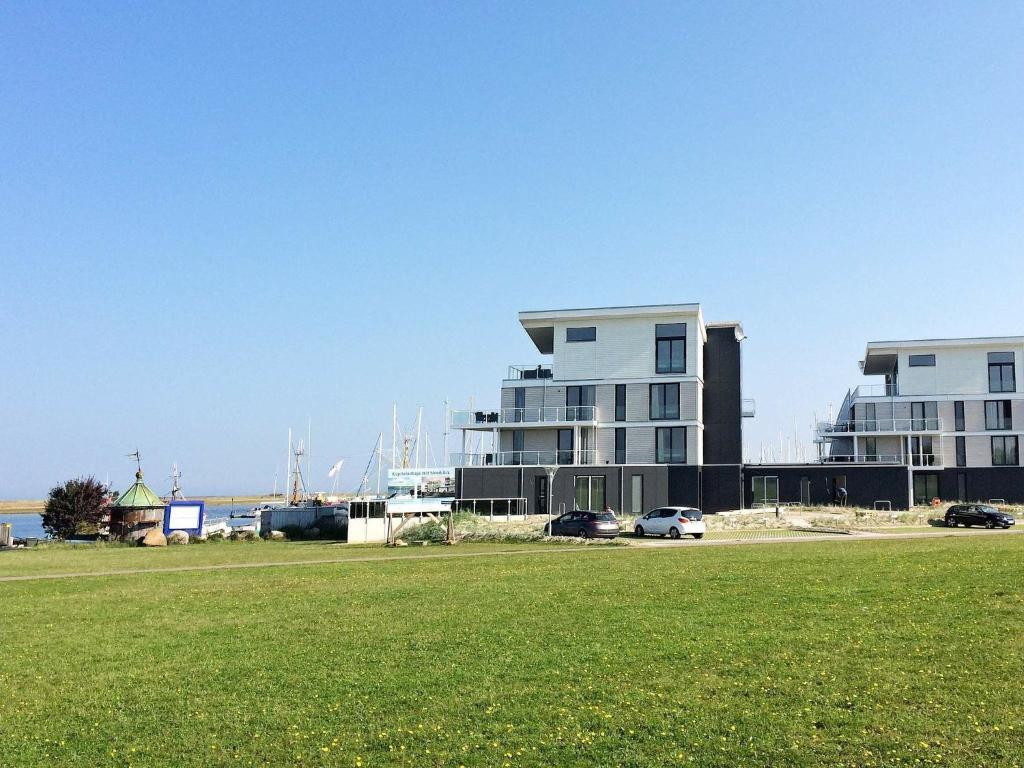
x,y
926,488
588,333
620,445
670,347
565,446
961,451
922,361
664,401
765,491
1004,451
579,402
620,402
670,445
1000,372
590,492
922,451
924,415
958,415
637,495
998,414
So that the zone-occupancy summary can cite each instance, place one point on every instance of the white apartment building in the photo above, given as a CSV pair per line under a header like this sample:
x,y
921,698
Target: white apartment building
x,y
949,409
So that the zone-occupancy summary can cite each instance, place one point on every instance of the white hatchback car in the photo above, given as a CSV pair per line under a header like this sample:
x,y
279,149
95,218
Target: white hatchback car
x,y
671,521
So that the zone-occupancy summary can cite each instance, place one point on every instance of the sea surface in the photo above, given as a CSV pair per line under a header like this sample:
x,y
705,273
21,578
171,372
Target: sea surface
x,y
27,525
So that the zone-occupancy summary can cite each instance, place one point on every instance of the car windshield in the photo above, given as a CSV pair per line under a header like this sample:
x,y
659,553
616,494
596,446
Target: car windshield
x,y
604,517
692,514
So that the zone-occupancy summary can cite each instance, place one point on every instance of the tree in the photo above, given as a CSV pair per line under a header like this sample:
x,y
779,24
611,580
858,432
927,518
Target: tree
x,y
77,507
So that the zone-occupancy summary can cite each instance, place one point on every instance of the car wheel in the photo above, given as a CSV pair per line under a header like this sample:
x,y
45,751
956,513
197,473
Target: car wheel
x,y
951,522
989,524
639,530
583,533
673,532
698,535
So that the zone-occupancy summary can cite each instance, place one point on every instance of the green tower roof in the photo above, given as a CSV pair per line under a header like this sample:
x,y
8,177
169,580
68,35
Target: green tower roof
x,y
138,496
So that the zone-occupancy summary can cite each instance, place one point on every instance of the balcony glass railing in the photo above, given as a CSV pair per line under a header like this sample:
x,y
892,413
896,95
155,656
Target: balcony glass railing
x,y
875,390
881,425
524,458
917,459
543,415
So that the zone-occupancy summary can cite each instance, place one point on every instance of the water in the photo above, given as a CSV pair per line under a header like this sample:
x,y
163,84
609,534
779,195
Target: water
x,y
31,524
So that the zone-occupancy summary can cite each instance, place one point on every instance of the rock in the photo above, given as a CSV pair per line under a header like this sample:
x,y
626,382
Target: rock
x,y
178,537
154,538
313,532
244,536
276,536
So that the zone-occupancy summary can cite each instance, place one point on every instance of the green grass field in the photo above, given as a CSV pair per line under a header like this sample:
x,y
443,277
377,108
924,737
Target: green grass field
x,y
832,653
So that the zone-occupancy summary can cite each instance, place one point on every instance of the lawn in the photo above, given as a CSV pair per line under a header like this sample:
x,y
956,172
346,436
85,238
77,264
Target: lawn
x,y
832,653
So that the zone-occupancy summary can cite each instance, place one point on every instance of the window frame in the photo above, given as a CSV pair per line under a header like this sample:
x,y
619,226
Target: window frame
x,y
921,361
620,407
961,450
620,451
1006,441
1005,363
959,422
1003,415
663,387
673,451
670,334
585,333
560,451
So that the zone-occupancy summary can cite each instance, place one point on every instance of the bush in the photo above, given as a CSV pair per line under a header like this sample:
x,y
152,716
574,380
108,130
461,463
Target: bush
x,y
77,507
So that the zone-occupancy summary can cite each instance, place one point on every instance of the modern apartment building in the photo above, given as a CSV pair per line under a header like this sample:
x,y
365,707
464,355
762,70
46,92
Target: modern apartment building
x,y
638,407
950,410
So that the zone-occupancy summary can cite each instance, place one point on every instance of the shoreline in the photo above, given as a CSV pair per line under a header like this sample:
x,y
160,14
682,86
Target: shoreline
x,y
35,506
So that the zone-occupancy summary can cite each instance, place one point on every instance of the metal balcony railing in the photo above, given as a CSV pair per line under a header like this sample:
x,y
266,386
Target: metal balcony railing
x,y
880,425
543,415
524,458
529,372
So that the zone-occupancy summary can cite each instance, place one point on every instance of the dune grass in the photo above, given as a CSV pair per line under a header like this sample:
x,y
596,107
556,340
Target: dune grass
x,y
832,653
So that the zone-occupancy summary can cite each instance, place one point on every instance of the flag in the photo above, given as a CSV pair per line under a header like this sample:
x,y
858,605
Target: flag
x,y
336,468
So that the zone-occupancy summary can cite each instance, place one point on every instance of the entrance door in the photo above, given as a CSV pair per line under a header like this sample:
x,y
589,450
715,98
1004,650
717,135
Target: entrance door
x,y
805,491
541,499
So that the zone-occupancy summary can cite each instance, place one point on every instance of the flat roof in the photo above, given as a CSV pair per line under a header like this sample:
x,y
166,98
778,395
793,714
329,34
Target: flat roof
x,y
539,324
880,357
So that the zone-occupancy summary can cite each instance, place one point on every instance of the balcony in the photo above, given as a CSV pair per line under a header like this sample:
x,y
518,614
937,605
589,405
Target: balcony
x,y
525,417
525,458
869,426
529,372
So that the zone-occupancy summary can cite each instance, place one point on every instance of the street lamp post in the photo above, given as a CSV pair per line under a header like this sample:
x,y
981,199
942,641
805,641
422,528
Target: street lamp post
x,y
551,470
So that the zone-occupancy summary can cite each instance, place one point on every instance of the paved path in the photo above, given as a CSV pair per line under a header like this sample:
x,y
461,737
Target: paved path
x,y
543,550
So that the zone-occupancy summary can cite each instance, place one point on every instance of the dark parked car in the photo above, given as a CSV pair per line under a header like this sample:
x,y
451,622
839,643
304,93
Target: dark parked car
x,y
977,514
585,524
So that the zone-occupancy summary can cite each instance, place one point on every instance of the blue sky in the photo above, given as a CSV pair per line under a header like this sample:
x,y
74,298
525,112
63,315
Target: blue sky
x,y
219,220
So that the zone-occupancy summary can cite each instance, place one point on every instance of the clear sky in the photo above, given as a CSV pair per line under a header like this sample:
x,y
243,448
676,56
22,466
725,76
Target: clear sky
x,y
221,219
